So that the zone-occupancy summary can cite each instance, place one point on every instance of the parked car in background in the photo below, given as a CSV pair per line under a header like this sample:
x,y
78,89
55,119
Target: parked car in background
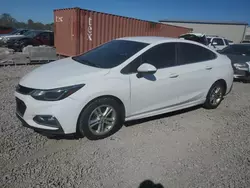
x,y
245,41
14,32
5,38
125,79
197,37
216,42
33,37
240,58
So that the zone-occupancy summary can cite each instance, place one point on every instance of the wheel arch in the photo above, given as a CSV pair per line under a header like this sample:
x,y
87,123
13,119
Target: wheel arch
x,y
105,96
222,81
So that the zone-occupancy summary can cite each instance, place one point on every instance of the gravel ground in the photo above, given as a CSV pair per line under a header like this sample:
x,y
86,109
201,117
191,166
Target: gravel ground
x,y
191,148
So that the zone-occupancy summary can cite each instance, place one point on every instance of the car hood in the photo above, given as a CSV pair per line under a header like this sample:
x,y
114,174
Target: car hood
x,y
13,36
238,58
3,35
61,73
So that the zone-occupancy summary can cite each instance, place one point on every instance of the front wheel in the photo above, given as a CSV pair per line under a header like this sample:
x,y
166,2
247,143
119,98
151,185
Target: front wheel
x,y
215,95
100,119
22,46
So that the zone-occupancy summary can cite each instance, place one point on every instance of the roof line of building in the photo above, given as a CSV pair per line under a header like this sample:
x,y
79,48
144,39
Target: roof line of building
x,y
204,22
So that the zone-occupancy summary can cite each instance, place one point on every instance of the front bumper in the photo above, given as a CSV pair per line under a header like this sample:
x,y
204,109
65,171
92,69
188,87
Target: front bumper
x,y
66,112
242,74
59,131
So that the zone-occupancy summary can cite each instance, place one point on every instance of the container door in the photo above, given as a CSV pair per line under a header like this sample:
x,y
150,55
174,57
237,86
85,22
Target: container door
x,y
65,38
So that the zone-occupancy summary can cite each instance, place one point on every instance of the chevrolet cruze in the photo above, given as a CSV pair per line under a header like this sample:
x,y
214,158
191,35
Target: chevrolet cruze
x,y
125,79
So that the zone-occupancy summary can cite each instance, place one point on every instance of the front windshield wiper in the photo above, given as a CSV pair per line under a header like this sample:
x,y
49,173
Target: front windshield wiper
x,y
86,62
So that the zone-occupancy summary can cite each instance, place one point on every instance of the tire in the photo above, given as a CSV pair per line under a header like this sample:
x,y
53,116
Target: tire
x,y
22,47
214,99
104,127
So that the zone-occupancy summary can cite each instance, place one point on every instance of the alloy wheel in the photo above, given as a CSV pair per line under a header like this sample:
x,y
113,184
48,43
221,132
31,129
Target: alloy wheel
x,y
102,119
216,95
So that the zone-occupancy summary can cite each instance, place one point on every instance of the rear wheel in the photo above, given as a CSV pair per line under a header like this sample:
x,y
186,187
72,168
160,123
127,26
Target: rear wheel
x,y
215,95
100,119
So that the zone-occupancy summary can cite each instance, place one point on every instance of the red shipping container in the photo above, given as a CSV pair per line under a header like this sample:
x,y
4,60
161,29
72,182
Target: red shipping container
x,y
78,30
5,30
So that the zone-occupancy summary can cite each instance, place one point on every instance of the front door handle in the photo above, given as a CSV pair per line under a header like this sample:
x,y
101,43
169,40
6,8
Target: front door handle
x,y
173,75
208,68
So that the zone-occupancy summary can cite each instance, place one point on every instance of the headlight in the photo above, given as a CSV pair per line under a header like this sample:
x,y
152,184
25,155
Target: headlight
x,y
55,94
6,39
1,38
241,66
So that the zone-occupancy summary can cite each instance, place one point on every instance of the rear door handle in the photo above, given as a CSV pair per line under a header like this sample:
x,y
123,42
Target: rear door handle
x,y
208,68
173,75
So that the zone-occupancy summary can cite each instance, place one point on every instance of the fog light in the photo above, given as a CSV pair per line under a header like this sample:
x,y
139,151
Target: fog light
x,y
46,120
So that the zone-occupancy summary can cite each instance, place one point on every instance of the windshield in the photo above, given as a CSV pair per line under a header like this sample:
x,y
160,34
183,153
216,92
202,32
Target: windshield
x,y
31,34
14,32
110,54
208,40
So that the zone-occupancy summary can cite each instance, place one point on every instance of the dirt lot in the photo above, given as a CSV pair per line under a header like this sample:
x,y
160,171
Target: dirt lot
x,y
193,148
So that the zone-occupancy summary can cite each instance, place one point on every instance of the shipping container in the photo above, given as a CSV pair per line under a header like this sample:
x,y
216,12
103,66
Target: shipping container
x,y
79,30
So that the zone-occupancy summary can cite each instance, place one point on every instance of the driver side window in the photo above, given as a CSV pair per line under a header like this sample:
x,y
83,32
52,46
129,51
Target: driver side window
x,y
160,56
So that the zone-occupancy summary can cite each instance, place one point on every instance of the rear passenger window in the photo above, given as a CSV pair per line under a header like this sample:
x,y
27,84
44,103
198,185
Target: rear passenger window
x,y
161,56
191,53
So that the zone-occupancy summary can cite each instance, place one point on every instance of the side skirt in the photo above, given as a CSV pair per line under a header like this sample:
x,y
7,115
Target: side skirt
x,y
165,110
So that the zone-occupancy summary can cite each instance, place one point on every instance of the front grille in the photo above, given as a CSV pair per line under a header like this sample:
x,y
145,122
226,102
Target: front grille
x,y
20,107
24,90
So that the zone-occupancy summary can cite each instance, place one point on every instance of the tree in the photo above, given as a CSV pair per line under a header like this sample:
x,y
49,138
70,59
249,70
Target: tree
x,y
8,21
30,23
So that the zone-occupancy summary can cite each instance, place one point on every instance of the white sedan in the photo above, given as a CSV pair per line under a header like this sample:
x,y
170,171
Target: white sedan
x,y
125,79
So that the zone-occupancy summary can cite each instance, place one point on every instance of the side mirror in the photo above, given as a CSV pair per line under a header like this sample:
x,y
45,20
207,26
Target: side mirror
x,y
146,68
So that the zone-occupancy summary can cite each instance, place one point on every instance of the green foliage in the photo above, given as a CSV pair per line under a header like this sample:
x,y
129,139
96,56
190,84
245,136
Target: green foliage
x,y
8,21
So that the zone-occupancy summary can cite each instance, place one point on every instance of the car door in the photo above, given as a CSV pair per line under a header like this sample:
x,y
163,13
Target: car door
x,y
150,92
195,70
44,38
219,43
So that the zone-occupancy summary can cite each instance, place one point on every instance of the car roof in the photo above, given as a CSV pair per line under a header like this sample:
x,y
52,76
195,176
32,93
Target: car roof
x,y
40,30
146,39
241,44
153,40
